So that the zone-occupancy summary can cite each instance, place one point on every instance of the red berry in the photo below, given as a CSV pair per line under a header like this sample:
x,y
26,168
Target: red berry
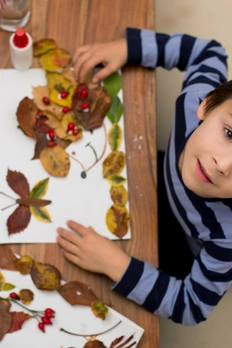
x,y
51,143
64,94
41,326
70,126
48,310
84,106
66,109
83,93
75,131
39,112
51,134
46,100
14,296
46,321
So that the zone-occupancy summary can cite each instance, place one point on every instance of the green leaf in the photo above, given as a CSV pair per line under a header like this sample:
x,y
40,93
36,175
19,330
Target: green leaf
x,y
113,84
115,136
116,180
40,213
40,189
115,112
8,287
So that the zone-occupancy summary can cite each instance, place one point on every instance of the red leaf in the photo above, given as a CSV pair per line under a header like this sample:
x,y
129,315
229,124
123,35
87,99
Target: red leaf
x,y
18,183
19,219
41,126
7,258
18,318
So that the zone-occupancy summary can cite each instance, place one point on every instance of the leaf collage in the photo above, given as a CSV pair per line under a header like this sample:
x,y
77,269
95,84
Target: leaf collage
x,y
47,278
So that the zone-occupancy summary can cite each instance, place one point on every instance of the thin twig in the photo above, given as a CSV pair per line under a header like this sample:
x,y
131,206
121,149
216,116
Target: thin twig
x,y
89,335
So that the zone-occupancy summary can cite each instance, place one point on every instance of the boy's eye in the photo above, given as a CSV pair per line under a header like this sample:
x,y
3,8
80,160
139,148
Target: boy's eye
x,y
228,133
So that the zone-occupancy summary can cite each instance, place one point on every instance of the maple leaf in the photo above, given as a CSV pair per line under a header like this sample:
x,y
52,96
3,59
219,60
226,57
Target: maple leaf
x,y
45,276
77,293
20,218
7,258
18,318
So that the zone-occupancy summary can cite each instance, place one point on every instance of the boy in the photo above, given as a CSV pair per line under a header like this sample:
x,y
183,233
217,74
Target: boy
x,y
198,177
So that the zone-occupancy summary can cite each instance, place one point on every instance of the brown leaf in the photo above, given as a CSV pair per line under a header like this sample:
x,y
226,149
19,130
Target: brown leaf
x,y
94,344
45,276
118,220
18,318
55,161
99,102
7,258
41,126
5,323
33,202
19,219
42,91
18,183
77,293
4,306
114,344
26,116
26,296
24,264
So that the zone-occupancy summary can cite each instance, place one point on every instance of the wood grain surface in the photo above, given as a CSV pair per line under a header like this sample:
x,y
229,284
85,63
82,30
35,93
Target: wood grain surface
x,y
72,23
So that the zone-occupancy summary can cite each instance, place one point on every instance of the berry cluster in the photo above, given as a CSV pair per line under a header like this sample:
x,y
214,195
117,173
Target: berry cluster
x,y
43,317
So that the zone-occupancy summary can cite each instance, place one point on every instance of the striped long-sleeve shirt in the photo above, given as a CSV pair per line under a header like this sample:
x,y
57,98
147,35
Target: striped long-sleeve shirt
x,y
206,222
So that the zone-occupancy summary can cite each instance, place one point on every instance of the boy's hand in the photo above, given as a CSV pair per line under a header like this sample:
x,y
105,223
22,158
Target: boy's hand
x,y
91,251
112,55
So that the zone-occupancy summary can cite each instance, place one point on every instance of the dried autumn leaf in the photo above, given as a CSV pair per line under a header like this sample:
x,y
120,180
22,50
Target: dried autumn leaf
x,y
18,319
45,276
119,195
68,73
42,143
7,258
26,296
55,161
118,220
2,281
40,189
99,309
41,214
57,83
41,125
24,264
18,183
115,343
19,219
26,116
115,137
61,131
116,180
8,287
42,91
42,46
94,344
114,163
5,322
55,60
77,293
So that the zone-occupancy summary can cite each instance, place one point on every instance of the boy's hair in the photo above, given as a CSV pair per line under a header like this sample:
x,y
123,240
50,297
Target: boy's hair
x,y
218,96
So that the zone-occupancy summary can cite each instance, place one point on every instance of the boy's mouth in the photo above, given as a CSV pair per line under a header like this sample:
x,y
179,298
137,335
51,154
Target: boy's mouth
x,y
202,174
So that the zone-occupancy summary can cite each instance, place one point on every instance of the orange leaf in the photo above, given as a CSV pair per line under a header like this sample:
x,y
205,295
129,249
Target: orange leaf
x,y
18,318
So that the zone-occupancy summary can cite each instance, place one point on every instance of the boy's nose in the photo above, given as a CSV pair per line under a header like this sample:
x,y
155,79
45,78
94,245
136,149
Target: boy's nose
x,y
223,164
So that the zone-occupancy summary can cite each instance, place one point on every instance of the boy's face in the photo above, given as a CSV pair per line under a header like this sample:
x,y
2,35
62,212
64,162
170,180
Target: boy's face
x,y
206,161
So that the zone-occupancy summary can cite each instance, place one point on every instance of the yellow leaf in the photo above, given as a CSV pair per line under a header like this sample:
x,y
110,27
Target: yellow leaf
x,y
61,131
116,180
55,60
2,281
42,46
58,83
24,264
55,161
119,195
118,220
26,296
40,213
114,163
45,276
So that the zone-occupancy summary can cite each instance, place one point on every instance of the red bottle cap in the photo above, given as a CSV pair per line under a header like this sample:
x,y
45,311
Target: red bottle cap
x,y
20,39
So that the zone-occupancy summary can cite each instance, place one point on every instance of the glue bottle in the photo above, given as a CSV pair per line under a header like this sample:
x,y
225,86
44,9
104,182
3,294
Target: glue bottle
x,y
21,49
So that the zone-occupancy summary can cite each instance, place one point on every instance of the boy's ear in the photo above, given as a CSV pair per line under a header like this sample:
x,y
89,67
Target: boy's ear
x,y
201,110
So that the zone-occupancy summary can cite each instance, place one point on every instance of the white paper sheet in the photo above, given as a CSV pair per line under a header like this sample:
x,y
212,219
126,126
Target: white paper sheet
x,y
78,319
84,200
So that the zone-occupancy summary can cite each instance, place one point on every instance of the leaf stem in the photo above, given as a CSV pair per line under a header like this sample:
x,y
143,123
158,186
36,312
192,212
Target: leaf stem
x,y
2,193
21,305
89,335
9,206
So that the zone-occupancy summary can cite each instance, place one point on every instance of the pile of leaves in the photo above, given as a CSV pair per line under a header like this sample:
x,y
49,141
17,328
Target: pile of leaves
x,y
60,111
45,277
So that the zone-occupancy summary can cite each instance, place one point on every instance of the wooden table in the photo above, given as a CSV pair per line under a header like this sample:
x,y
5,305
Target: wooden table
x,y
72,23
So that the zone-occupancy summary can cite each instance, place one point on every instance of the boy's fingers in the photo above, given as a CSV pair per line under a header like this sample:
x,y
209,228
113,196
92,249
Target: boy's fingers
x,y
67,245
71,257
80,229
80,51
102,74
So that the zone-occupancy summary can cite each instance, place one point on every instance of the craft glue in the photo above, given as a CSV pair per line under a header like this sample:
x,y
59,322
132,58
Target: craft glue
x,y
21,50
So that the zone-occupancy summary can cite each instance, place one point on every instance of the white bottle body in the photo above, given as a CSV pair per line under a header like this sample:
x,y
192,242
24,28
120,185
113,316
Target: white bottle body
x,y
21,58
